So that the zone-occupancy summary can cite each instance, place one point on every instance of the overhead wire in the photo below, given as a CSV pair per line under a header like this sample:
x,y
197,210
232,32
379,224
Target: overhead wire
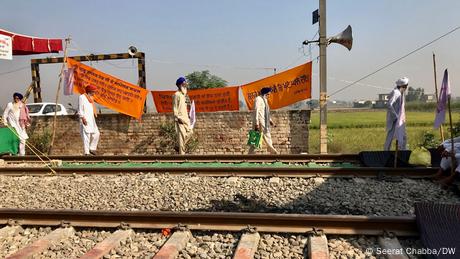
x,y
395,61
14,70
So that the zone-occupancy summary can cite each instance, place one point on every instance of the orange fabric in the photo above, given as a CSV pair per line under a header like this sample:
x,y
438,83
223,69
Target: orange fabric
x,y
206,100
112,92
91,100
288,87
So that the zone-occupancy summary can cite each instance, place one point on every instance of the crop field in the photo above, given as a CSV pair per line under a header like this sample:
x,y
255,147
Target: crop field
x,y
352,132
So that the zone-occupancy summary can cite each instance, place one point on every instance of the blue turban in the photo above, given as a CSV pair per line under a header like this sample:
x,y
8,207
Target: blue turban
x,y
180,81
265,90
18,95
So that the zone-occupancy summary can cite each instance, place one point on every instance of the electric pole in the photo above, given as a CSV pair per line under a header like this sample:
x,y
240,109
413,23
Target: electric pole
x,y
322,77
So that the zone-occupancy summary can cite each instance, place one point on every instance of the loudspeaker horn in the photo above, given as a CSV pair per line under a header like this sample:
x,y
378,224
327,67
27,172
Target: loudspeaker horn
x,y
132,51
344,38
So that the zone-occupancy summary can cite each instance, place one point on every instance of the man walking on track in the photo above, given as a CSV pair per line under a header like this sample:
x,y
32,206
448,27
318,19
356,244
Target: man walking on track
x,y
87,112
181,116
261,120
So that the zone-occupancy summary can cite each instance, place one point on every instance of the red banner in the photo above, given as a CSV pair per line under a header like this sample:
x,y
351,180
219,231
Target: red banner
x,y
206,100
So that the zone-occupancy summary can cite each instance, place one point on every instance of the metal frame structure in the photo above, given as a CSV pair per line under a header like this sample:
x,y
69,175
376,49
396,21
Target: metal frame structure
x,y
35,63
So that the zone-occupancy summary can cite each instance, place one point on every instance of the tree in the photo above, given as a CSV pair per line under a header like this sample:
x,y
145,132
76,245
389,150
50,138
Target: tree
x,y
415,94
204,79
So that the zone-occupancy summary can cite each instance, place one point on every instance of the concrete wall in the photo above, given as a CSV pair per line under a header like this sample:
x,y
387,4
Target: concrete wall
x,y
216,133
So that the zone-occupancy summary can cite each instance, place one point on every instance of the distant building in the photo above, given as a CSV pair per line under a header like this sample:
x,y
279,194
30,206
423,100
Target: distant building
x,y
363,104
382,101
429,98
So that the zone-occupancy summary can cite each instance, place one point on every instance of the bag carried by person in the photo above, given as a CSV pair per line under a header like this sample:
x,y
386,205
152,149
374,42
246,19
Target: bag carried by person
x,y
420,156
254,138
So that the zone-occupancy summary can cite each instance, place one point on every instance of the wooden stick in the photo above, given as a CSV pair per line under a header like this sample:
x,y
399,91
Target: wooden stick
x,y
436,91
57,96
453,160
396,154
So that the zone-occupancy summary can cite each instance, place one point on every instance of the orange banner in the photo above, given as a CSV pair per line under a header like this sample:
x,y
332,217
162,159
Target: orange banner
x,y
206,100
288,87
112,92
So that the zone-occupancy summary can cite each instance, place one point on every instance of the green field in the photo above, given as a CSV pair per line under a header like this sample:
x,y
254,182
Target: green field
x,y
352,132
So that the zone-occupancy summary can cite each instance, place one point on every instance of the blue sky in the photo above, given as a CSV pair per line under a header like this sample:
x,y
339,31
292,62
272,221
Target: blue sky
x,y
240,41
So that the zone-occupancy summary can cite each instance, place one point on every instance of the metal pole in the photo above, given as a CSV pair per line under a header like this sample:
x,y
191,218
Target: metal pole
x,y
322,77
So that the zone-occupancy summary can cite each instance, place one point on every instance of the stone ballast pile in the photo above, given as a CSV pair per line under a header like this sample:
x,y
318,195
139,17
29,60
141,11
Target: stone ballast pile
x,y
163,192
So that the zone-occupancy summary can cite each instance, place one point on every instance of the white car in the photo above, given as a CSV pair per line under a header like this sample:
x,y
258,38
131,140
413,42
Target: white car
x,y
45,109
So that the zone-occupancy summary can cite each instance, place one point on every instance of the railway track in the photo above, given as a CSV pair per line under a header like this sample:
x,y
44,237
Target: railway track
x,y
295,158
63,225
227,171
224,221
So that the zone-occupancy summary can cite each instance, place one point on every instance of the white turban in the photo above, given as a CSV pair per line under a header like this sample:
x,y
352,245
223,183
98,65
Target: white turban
x,y
402,81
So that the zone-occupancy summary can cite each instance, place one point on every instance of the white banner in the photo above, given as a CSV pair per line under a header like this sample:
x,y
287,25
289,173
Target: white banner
x,y
6,47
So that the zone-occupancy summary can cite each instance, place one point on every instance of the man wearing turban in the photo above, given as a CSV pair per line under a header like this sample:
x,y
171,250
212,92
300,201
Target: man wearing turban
x,y
87,112
16,115
181,116
261,119
396,116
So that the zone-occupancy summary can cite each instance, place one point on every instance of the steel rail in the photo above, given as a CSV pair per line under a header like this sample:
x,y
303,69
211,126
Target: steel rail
x,y
220,221
301,158
300,172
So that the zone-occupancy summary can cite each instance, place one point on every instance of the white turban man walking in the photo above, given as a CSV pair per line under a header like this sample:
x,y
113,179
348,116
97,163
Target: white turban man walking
x,y
396,116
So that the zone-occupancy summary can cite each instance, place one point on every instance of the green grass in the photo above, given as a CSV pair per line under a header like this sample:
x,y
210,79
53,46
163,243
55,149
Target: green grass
x,y
371,119
352,132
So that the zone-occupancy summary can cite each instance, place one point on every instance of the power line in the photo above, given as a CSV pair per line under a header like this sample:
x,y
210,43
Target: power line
x,y
391,63
15,70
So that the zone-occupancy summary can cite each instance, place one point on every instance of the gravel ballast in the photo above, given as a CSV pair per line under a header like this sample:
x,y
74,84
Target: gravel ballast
x,y
358,196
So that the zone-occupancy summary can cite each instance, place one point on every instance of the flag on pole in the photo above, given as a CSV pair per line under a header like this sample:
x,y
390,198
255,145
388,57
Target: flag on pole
x,y
192,115
68,81
442,101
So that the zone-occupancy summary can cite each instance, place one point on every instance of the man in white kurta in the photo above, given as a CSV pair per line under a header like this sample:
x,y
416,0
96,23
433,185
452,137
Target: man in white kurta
x,y
396,116
181,116
262,121
446,162
11,117
88,128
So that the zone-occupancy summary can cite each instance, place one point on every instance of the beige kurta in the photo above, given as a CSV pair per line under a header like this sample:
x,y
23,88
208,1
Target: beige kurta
x,y
182,120
259,118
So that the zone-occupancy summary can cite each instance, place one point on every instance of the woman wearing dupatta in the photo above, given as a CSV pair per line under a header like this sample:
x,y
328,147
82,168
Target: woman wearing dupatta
x,y
16,115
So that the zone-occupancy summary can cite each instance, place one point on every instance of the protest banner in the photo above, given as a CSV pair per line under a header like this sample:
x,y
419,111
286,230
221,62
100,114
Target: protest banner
x,y
112,92
6,47
206,100
288,87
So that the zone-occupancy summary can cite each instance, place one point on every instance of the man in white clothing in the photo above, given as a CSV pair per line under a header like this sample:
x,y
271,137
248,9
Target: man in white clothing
x,y
396,116
88,113
446,162
16,116
181,116
262,121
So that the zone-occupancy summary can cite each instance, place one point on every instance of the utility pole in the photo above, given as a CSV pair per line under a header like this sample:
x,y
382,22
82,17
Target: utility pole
x,y
322,77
